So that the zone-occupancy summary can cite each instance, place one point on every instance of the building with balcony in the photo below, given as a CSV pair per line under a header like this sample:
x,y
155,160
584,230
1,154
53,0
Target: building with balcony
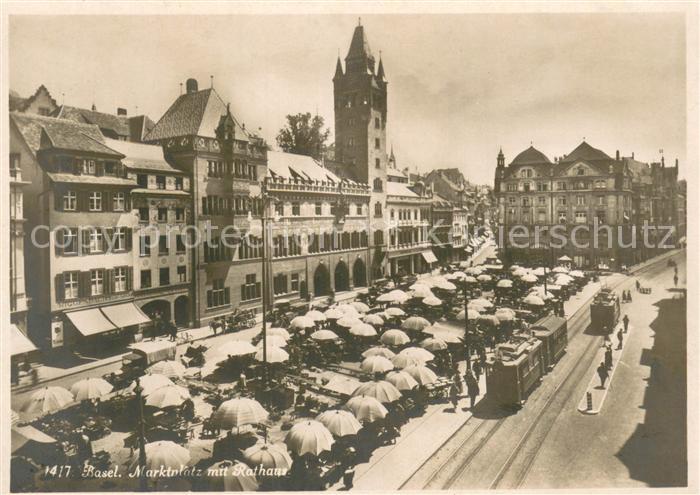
x,y
80,279
162,241
585,188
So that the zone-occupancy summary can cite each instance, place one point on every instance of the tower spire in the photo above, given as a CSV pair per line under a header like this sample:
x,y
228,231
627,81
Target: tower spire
x,y
338,69
380,69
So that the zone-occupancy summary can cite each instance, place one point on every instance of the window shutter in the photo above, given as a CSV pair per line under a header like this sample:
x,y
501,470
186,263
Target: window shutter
x,y
129,234
85,241
129,277
59,242
84,284
107,201
58,199
227,295
258,291
209,297
107,281
60,288
243,298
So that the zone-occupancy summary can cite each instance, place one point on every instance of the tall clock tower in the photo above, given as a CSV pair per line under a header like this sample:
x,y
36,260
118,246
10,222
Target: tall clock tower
x,y
360,113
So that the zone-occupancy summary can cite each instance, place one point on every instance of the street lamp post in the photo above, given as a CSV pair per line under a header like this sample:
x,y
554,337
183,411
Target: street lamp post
x,y
466,326
143,481
266,200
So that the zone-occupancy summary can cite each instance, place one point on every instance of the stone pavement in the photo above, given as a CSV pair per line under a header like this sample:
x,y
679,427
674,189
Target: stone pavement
x,y
594,403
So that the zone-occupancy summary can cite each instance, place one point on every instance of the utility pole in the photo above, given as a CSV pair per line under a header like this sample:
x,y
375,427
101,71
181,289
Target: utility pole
x,y
143,481
466,325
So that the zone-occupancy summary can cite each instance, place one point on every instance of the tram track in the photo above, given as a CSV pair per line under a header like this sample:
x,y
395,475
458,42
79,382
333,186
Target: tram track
x,y
655,271
578,322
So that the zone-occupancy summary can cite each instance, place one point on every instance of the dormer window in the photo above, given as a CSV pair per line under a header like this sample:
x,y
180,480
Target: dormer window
x,y
580,171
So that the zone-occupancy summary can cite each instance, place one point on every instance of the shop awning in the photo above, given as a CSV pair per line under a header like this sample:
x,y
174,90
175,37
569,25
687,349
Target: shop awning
x,y
19,343
90,322
124,315
429,256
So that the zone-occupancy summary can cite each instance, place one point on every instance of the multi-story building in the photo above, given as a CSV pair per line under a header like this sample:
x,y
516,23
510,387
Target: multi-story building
x,y
18,297
441,223
119,126
162,251
318,229
584,188
79,218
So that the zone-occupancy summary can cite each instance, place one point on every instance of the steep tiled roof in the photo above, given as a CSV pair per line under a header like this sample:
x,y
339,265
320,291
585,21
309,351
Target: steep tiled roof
x,y
585,152
142,156
17,103
117,124
59,130
530,156
193,114
399,189
300,167
65,138
91,179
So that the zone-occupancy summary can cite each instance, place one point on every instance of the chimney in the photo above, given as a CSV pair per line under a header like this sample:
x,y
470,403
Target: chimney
x,y
191,86
617,155
94,108
121,111
633,155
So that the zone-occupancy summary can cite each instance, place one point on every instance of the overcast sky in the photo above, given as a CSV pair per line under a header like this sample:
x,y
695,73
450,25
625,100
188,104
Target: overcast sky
x,y
460,86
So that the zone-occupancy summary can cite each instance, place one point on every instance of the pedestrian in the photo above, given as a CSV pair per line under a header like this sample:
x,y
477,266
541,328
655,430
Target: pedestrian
x,y
173,331
626,322
619,339
476,368
675,280
454,395
629,296
457,380
608,357
636,282
212,326
472,387
242,382
603,374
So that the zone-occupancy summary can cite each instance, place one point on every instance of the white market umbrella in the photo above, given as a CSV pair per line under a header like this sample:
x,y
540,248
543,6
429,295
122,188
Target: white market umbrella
x,y
302,322
401,380
359,306
504,283
91,388
415,323
366,408
419,353
395,296
533,300
379,351
382,390
373,319
340,423
168,396
422,374
237,412
316,315
274,354
394,312
269,456
324,335
163,454
394,337
376,364
309,437
432,301
363,330
47,399
169,368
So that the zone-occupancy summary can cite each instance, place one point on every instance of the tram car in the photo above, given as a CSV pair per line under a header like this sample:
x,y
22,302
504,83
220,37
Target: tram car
x,y
515,370
552,332
605,311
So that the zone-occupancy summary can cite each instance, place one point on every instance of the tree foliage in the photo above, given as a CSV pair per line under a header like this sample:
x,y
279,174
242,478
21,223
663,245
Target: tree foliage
x,y
303,135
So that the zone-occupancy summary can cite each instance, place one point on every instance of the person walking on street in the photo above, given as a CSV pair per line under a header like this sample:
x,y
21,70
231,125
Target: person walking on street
x,y
476,368
472,387
637,284
619,339
626,322
212,326
454,395
608,357
603,374
675,280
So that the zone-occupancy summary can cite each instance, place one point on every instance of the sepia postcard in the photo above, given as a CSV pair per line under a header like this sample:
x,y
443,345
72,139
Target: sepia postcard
x,y
330,246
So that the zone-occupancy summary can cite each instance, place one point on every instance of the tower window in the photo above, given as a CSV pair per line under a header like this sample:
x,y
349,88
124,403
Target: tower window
x,y
377,143
377,124
377,163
